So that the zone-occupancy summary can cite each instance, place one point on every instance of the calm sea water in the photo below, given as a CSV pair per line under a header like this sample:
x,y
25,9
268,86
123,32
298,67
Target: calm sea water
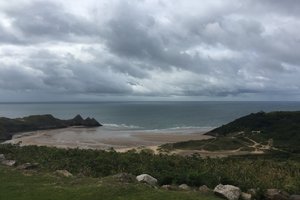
x,y
149,115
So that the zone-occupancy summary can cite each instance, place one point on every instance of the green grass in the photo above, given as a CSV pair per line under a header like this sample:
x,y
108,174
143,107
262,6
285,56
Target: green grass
x,y
18,185
215,144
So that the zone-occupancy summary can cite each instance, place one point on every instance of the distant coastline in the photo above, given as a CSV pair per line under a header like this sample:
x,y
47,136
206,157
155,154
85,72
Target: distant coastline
x,y
9,127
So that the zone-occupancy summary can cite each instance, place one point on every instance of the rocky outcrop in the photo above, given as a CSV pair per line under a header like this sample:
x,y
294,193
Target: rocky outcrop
x,y
90,122
276,194
8,127
64,173
79,121
229,192
145,178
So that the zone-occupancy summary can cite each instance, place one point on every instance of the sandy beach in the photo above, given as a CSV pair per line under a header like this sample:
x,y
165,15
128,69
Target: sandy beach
x,y
104,138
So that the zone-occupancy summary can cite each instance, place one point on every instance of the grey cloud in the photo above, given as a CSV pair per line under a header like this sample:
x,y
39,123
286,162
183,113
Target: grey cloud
x,y
40,21
219,49
48,72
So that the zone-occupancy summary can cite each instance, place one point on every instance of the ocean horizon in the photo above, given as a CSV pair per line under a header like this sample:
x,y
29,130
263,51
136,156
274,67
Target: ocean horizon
x,y
170,116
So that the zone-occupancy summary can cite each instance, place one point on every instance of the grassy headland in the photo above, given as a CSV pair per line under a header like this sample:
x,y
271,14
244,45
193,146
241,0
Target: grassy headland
x,y
259,132
9,127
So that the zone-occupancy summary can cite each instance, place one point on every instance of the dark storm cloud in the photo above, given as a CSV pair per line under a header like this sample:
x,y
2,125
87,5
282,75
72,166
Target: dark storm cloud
x,y
42,21
235,49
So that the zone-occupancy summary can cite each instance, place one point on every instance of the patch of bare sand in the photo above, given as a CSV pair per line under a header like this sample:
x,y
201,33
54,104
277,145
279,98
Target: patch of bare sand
x,y
92,138
84,138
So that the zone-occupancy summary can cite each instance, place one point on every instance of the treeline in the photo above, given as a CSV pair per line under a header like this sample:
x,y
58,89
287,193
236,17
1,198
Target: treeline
x,y
245,172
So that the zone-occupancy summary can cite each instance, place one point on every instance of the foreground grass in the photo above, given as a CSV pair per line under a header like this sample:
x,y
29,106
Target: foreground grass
x,y
246,172
20,185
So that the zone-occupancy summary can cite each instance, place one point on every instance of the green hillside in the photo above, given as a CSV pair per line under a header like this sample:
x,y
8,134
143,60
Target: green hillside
x,y
282,129
267,132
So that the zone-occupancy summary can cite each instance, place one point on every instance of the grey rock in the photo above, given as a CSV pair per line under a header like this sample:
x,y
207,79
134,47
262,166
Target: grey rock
x,y
229,192
145,178
169,187
204,189
125,177
64,173
276,194
184,187
26,166
295,197
9,163
246,196
2,157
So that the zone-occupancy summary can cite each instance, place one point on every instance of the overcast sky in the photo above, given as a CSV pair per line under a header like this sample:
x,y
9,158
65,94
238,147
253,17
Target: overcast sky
x,y
90,50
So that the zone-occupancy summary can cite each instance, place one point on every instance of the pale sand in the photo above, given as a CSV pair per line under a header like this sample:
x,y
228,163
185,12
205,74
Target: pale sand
x,y
121,141
100,138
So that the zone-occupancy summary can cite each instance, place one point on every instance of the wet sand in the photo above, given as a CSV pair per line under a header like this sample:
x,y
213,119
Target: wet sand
x,y
103,138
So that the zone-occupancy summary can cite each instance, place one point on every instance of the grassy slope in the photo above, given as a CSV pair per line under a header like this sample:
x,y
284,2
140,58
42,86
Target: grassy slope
x,y
282,127
279,129
44,186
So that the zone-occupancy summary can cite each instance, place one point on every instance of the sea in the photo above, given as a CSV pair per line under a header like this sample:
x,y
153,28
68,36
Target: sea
x,y
152,116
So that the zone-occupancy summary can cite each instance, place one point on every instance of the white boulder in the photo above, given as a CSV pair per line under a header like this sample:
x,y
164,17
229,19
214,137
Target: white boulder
x,y
184,187
246,196
9,163
145,178
229,192
64,173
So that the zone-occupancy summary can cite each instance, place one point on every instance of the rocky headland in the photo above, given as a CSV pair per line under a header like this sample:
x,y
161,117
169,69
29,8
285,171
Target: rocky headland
x,y
9,127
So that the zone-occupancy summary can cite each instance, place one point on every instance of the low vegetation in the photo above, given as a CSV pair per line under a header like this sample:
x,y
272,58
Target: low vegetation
x,y
214,144
246,172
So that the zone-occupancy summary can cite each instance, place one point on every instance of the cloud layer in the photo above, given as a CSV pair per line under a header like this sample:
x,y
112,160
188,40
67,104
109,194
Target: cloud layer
x,y
149,49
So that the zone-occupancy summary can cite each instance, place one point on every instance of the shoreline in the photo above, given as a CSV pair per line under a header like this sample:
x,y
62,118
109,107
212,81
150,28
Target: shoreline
x,y
121,141
101,138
